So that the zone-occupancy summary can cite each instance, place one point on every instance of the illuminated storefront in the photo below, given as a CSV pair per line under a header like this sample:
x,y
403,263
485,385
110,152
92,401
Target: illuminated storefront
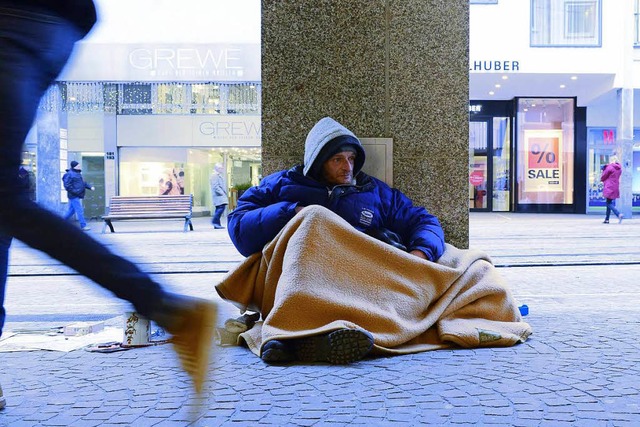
x,y
143,117
601,145
523,155
161,135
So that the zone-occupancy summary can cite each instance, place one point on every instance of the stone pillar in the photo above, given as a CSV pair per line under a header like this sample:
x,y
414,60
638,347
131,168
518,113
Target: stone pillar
x,y
52,138
385,69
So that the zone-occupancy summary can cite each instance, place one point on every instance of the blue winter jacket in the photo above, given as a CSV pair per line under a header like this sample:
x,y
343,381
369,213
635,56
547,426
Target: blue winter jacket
x,y
264,210
74,184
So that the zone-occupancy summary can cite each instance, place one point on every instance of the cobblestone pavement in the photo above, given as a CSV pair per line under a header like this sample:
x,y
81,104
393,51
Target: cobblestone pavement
x,y
578,276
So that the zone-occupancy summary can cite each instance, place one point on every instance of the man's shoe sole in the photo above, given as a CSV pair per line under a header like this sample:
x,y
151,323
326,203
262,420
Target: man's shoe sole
x,y
338,347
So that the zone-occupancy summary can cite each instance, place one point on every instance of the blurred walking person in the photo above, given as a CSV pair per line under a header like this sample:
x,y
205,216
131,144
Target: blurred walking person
x,y
36,39
611,191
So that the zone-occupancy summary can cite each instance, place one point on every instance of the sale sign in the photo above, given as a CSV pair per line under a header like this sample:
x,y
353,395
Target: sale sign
x,y
543,151
476,178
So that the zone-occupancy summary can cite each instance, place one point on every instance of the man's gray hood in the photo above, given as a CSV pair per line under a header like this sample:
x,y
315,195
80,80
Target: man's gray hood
x,y
326,130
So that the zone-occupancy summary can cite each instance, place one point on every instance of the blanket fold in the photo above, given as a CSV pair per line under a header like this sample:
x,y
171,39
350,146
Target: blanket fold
x,y
319,274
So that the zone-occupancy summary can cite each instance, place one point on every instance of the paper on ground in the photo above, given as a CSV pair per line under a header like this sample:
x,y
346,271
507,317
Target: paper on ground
x,y
58,342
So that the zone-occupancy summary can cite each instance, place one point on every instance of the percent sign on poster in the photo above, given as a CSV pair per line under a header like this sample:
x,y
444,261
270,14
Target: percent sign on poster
x,y
543,153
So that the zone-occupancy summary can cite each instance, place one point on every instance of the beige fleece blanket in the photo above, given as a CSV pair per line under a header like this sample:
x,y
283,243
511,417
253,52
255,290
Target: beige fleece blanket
x,y
320,274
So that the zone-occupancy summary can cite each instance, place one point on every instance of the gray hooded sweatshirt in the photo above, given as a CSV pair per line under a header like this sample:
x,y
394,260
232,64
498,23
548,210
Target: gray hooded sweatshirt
x,y
326,136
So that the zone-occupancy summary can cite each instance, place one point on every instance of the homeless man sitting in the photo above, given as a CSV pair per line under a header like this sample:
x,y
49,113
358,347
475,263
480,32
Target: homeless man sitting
x,y
304,231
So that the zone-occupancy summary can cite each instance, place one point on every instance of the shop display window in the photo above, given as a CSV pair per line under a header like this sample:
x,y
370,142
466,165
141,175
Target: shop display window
x,y
601,143
490,164
545,151
186,170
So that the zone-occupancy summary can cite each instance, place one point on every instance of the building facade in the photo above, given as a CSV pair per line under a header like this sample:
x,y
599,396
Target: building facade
x,y
553,95
148,105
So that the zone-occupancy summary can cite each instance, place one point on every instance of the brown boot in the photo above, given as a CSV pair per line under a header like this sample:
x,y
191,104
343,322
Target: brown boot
x,y
191,321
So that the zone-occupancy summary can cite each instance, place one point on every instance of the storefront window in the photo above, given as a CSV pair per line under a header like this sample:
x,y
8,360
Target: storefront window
x,y
565,23
186,170
478,165
186,98
135,98
501,164
243,99
205,98
601,144
545,151
170,98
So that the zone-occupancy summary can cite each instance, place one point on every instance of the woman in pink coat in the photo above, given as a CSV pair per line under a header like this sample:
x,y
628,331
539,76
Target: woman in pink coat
x,y
611,191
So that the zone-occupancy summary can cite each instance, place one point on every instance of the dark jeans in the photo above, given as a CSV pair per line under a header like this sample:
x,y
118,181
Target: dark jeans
x,y
218,214
34,46
611,208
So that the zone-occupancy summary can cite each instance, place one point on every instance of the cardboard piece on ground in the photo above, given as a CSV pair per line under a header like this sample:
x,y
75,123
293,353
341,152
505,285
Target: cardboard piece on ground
x,y
83,328
58,342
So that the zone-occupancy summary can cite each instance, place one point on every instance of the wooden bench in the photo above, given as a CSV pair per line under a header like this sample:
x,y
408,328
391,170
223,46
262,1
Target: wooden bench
x,y
122,208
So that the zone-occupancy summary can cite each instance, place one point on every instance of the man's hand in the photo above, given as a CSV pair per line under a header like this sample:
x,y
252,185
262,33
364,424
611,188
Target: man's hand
x,y
299,208
93,188
419,254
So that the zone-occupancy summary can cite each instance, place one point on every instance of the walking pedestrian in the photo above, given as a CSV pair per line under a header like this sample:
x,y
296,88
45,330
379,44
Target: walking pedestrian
x,y
76,186
36,40
218,194
611,191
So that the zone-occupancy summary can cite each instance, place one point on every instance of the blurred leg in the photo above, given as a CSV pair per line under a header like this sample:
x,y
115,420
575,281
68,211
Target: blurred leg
x,y
33,49
5,242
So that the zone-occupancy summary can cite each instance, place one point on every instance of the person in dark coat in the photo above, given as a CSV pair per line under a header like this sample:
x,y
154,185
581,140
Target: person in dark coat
x,y
332,177
611,191
36,40
76,187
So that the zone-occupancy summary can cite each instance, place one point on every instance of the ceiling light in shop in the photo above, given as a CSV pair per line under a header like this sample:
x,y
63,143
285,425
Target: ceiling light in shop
x,y
574,77
562,86
498,85
491,92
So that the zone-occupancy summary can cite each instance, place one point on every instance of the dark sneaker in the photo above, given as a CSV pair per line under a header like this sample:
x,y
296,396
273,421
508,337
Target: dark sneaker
x,y
3,402
606,221
277,351
338,347
241,324
191,322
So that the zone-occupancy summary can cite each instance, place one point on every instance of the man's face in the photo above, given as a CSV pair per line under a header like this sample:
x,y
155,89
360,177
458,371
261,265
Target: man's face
x,y
339,168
